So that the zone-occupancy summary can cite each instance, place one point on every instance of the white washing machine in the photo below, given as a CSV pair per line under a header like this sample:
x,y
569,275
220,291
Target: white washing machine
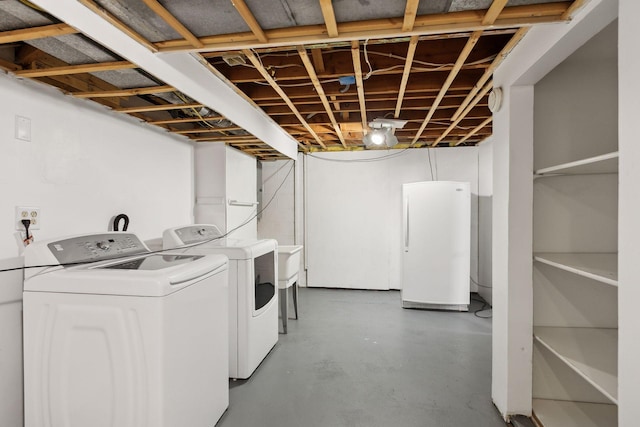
x,y
122,338
253,281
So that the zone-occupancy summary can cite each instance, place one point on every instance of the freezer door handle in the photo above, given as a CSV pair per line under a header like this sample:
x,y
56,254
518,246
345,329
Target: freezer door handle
x,y
406,226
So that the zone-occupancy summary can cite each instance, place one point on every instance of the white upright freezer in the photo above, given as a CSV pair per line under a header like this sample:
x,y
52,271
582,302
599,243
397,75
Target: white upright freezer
x,y
436,245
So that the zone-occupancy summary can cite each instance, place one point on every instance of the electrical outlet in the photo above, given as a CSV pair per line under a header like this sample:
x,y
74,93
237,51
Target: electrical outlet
x,y
30,213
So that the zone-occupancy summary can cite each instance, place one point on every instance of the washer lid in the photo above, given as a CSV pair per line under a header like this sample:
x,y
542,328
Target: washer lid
x,y
151,262
147,275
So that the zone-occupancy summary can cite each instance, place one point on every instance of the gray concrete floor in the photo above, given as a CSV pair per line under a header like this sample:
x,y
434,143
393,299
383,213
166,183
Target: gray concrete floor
x,y
356,358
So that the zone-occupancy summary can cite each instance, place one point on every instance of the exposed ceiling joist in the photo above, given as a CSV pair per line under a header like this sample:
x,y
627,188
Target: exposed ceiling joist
x,y
466,111
433,70
250,20
163,13
8,65
357,68
413,43
230,139
320,91
110,18
577,4
163,107
76,69
256,63
410,13
329,18
475,130
489,71
183,120
494,11
206,130
124,92
473,40
36,33
451,22
318,62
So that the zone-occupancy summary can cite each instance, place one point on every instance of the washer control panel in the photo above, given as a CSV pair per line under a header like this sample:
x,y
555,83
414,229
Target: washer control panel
x,y
96,247
197,233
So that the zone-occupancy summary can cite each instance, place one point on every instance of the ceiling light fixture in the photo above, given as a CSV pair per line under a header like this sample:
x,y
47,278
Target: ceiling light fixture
x,y
382,133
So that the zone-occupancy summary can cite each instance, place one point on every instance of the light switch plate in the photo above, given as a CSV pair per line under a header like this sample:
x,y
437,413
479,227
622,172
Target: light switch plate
x,y
23,128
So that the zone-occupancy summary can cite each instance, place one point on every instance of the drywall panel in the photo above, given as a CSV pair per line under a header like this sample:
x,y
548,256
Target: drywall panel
x,y
278,202
242,209
85,164
569,125
11,344
353,211
629,230
576,214
485,208
225,183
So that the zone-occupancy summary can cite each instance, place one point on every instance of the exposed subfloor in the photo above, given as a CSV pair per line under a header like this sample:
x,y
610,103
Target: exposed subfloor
x,y
356,358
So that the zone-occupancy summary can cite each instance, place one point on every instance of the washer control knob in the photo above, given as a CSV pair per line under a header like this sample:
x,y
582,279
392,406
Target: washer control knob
x,y
202,231
103,245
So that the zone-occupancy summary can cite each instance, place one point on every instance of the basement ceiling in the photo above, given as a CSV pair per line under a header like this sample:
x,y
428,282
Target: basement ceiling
x,y
321,69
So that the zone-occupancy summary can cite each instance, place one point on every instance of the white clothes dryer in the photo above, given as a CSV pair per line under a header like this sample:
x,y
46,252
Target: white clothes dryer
x,y
253,281
119,337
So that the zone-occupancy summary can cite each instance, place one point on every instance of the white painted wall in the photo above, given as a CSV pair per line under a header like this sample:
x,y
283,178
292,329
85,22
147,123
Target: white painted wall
x,y
485,206
83,165
629,227
353,211
282,203
11,386
278,201
224,175
538,53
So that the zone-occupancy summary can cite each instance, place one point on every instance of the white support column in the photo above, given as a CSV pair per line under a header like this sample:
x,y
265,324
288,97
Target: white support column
x,y
512,242
629,212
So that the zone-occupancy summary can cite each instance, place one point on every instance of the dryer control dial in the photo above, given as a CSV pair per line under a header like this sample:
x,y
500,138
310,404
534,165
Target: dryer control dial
x,y
104,245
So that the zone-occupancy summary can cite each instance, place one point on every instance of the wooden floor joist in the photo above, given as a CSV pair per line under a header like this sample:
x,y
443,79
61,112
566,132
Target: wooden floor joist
x,y
164,107
34,33
76,69
451,22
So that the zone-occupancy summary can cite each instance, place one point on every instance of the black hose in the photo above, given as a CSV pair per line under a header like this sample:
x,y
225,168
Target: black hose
x,y
116,222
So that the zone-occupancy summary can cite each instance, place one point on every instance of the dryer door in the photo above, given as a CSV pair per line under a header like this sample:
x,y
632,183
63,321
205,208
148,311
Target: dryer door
x,y
265,282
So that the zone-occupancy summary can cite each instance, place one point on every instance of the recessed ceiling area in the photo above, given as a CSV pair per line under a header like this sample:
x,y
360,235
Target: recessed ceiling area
x,y
321,70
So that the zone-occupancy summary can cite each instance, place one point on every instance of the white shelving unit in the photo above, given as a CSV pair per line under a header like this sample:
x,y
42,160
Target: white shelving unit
x,y
603,164
575,260
555,413
590,352
602,267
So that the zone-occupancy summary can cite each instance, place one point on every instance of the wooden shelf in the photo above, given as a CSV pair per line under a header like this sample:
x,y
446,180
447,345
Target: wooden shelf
x,y
591,352
605,163
602,267
558,413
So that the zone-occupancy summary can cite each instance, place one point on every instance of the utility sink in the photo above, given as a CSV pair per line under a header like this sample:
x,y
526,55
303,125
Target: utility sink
x,y
288,264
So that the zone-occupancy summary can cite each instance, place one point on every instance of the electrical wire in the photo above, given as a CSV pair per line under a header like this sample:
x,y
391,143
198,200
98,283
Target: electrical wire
x,y
478,284
435,163
430,165
431,66
483,308
374,159
171,250
366,58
